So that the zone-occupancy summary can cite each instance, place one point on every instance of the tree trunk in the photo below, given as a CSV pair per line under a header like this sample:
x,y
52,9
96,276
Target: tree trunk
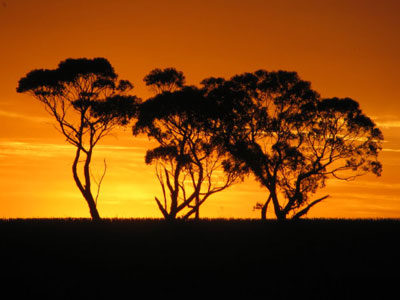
x,y
170,217
92,205
88,192
264,208
281,217
264,212
197,214
85,193
174,207
279,213
93,209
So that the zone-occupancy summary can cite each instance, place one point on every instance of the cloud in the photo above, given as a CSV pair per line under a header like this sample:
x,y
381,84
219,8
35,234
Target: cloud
x,y
12,148
37,149
10,114
387,122
363,184
390,150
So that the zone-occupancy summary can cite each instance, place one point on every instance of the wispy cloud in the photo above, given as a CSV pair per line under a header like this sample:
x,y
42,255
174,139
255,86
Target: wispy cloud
x,y
387,122
364,184
15,115
56,150
8,148
390,150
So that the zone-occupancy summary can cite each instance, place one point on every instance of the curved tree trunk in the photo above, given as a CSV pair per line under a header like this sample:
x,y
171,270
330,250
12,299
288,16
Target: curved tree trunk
x,y
279,213
264,208
94,213
85,191
89,196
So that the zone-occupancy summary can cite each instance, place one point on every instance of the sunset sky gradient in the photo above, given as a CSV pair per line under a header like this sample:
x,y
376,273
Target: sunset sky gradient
x,y
344,48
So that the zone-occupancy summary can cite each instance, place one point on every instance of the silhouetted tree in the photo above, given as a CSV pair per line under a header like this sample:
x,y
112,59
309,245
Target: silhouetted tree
x,y
290,139
87,100
188,166
166,80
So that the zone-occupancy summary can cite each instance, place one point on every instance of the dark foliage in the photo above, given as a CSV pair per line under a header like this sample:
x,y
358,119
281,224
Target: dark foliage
x,y
188,103
69,71
166,80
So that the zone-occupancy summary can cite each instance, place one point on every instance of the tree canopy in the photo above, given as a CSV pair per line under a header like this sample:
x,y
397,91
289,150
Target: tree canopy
x,y
166,80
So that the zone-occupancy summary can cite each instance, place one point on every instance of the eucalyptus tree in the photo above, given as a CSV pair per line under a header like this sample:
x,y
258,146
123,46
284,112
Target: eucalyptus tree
x,y
289,138
87,101
189,167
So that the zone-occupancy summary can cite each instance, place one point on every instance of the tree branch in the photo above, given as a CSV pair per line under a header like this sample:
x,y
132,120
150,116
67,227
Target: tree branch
x,y
305,210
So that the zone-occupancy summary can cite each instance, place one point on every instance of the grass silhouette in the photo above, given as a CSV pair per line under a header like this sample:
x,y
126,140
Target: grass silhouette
x,y
315,258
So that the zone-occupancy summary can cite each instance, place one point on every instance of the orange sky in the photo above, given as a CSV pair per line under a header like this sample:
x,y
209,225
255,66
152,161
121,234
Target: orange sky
x,y
345,48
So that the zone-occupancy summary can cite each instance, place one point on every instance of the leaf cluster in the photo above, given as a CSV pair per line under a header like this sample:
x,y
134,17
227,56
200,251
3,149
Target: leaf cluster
x,y
85,97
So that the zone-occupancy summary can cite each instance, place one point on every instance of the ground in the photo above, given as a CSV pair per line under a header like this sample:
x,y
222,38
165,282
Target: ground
x,y
318,259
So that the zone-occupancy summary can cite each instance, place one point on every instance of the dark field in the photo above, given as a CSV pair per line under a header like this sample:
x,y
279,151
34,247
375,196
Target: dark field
x,y
310,259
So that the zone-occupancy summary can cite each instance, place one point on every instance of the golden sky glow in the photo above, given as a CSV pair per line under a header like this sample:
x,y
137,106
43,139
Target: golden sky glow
x,y
346,48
